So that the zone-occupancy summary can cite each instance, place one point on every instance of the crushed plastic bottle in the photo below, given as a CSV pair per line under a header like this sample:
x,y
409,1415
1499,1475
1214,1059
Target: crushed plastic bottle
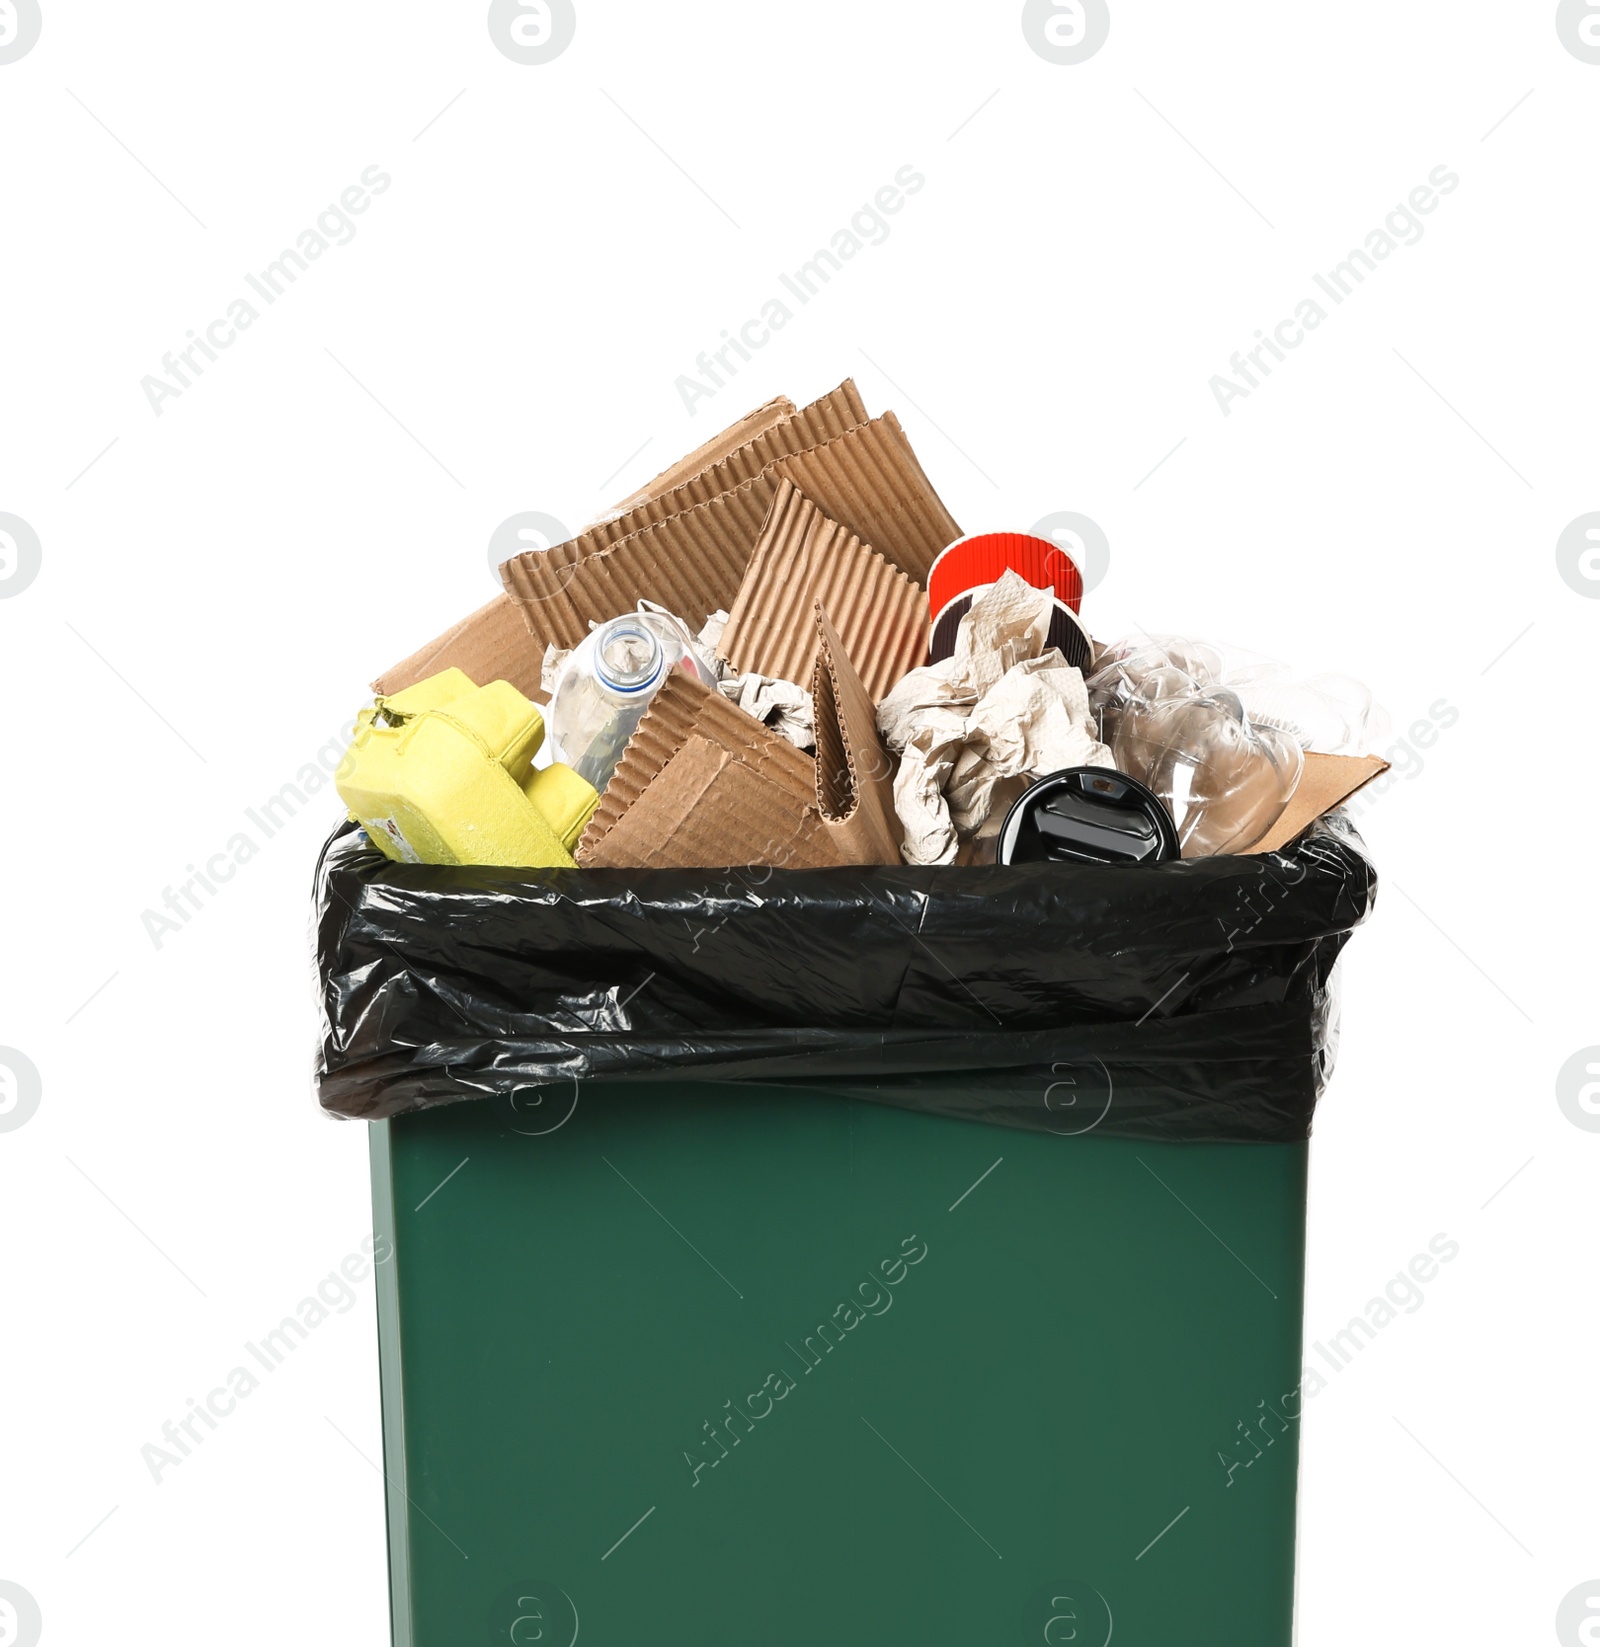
x,y
606,685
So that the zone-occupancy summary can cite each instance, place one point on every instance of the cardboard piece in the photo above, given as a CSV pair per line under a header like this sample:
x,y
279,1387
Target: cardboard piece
x,y
868,479
863,474
692,564
1326,782
485,645
493,644
855,777
708,809
702,785
831,415
879,493
720,446
802,557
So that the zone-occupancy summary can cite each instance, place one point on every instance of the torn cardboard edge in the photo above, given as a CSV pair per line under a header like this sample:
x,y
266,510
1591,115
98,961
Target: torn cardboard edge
x,y
869,480
709,808
736,793
492,644
704,785
1326,781
691,563
825,418
855,777
802,558
486,648
689,555
721,446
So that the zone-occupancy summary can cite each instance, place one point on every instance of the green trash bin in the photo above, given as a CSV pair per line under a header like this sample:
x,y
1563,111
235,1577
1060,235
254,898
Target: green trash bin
x,y
781,1368
688,1358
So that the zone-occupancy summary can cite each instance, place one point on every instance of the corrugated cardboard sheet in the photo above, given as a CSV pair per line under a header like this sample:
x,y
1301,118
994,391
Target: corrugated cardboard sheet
x,y
691,564
707,808
530,575
863,474
802,557
869,471
491,645
720,446
870,481
704,785
487,647
855,782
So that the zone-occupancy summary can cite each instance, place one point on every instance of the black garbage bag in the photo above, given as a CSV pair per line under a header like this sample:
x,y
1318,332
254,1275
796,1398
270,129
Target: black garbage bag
x,y
1188,1000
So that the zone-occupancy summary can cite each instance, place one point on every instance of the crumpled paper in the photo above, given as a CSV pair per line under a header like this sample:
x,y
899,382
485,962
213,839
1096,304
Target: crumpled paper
x,y
973,729
554,657
781,705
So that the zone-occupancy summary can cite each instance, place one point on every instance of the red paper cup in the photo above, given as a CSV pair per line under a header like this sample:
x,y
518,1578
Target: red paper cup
x,y
1067,633
981,558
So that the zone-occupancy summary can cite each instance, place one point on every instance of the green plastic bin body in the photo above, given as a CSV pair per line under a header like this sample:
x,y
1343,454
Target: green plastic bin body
x,y
740,1368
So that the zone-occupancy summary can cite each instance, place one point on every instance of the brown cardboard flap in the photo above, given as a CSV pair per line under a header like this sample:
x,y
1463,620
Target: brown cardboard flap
x,y
682,708
692,564
708,809
868,479
802,557
706,816
863,474
493,644
833,414
488,649
827,416
1326,782
713,451
855,786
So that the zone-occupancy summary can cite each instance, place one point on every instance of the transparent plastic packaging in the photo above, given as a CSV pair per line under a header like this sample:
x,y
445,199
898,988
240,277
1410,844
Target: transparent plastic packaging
x,y
1225,780
1221,735
1328,714
606,684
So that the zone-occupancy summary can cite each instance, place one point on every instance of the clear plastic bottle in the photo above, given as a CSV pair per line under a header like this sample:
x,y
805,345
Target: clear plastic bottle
x,y
606,685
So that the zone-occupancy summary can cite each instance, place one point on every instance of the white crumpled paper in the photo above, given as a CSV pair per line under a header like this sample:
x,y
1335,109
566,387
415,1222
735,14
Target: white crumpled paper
x,y
1001,709
781,705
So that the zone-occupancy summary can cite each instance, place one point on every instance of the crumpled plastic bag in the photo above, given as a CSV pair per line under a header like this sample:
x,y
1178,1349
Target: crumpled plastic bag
x,y
1224,779
1175,728
1001,708
1327,713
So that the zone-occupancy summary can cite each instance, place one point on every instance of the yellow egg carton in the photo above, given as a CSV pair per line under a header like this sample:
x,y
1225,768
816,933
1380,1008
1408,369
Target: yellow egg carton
x,y
442,773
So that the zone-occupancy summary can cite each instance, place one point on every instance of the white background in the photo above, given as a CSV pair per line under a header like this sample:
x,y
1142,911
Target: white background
x,y
504,333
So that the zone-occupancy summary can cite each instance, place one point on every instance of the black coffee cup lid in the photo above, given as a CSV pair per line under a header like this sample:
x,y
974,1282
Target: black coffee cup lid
x,y
1088,815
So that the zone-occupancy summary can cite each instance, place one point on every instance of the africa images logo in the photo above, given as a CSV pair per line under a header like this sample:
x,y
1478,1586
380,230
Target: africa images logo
x,y
1577,1092
20,23
20,554
1578,26
527,532
20,1091
1066,31
532,31
20,1623
872,1297
1577,555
